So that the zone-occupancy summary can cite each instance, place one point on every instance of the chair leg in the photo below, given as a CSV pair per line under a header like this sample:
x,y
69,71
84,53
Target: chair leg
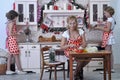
x,y
68,68
41,73
50,73
55,73
64,71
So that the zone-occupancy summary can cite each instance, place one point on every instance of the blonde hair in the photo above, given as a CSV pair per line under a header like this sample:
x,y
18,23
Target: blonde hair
x,y
110,10
72,18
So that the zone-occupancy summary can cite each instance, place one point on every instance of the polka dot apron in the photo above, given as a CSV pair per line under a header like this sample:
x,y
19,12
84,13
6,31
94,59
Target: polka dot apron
x,y
11,42
76,42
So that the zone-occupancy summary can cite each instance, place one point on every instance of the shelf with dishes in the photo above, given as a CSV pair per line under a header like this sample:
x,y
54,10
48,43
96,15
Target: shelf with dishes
x,y
58,18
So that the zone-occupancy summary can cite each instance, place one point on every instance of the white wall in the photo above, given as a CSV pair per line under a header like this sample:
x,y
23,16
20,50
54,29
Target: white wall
x,y
5,6
116,47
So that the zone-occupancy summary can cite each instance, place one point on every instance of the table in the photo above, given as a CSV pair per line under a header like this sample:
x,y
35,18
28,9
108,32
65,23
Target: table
x,y
106,55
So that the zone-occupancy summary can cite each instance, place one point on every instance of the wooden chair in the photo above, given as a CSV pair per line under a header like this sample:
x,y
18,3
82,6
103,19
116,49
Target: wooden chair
x,y
50,66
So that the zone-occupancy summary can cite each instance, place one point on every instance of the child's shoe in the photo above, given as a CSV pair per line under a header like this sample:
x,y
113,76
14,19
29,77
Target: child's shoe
x,y
20,72
10,72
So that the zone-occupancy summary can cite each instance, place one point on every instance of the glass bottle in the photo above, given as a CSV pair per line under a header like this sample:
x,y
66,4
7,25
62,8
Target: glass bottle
x,y
51,55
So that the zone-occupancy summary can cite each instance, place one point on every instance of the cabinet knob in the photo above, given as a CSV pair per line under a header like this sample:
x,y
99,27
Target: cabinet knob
x,y
25,51
24,18
27,18
29,54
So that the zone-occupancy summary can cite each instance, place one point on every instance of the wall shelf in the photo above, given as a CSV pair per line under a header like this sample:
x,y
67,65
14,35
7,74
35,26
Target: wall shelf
x,y
63,11
59,17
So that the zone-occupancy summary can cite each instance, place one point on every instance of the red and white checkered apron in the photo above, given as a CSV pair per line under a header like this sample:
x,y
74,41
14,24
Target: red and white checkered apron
x,y
76,42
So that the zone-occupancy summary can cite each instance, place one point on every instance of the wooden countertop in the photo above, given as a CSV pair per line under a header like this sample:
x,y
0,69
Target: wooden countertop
x,y
38,43
47,43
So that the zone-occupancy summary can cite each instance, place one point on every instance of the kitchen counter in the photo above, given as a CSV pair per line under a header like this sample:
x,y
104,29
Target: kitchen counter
x,y
39,43
54,43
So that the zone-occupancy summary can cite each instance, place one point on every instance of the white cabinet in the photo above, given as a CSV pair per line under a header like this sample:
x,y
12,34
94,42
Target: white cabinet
x,y
27,10
96,10
30,56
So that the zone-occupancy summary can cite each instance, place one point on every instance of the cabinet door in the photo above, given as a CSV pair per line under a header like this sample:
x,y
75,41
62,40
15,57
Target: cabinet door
x,y
20,8
27,13
34,59
34,56
103,5
31,8
23,56
96,11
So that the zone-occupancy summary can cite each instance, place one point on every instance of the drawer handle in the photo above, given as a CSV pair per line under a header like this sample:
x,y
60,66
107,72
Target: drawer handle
x,y
34,47
21,47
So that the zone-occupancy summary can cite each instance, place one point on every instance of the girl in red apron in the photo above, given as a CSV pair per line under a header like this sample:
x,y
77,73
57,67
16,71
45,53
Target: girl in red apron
x,y
11,42
108,38
73,39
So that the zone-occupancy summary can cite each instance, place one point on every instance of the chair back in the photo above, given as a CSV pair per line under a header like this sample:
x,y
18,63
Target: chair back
x,y
46,65
45,54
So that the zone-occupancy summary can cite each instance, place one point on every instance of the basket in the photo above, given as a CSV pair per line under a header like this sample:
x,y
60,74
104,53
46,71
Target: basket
x,y
44,39
3,68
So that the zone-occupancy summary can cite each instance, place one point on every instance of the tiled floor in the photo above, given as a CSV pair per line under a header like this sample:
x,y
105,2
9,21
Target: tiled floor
x,y
88,75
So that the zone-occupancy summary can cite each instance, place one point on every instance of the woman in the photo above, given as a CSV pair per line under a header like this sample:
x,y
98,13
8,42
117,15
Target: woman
x,y
74,38
11,42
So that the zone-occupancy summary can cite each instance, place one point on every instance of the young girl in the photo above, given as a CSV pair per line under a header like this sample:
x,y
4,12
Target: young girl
x,y
108,38
11,42
73,39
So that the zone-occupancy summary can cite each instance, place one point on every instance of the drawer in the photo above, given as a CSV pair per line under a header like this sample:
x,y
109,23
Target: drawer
x,y
34,47
22,47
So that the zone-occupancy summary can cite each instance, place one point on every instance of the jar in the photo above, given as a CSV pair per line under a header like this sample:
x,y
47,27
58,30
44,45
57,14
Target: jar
x,y
69,7
55,7
51,55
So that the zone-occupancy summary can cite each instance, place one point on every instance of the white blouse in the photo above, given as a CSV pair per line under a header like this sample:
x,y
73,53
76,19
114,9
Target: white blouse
x,y
66,33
